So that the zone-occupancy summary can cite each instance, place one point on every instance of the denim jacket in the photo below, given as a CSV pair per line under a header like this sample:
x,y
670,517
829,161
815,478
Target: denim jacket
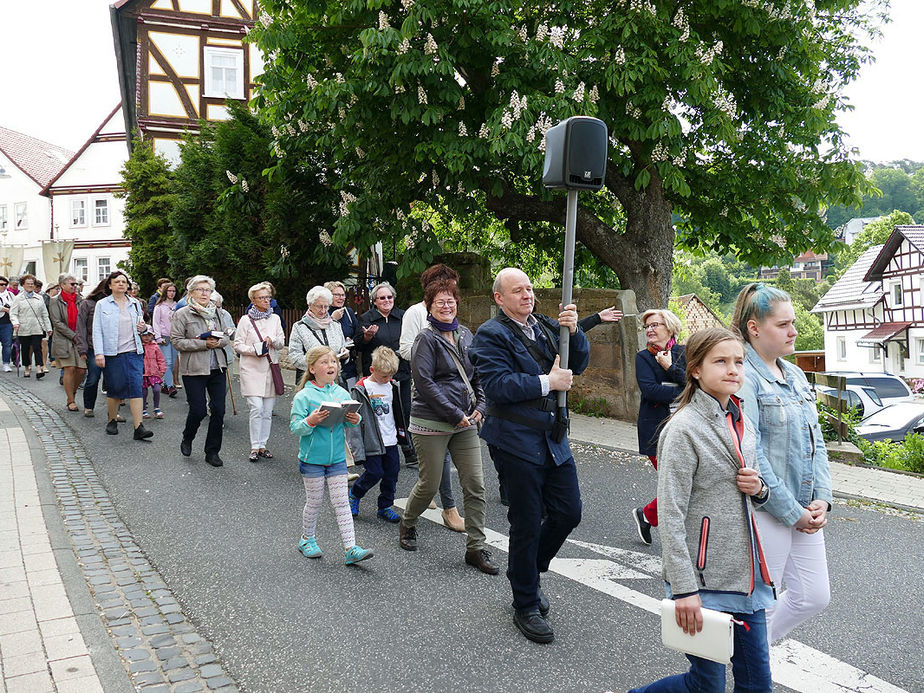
x,y
790,447
106,325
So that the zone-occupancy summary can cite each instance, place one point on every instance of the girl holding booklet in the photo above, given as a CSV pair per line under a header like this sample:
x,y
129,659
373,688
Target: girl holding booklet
x,y
322,451
708,484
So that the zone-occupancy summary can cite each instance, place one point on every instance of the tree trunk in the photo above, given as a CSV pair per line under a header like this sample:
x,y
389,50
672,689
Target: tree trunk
x,y
642,256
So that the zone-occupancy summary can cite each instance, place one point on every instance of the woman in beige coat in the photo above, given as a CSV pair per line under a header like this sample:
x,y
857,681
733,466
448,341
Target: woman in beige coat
x,y
258,339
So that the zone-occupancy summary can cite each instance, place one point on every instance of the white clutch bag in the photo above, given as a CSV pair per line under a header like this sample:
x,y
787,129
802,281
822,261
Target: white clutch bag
x,y
714,642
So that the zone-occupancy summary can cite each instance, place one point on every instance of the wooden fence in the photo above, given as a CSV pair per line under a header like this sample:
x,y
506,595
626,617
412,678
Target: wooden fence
x,y
837,402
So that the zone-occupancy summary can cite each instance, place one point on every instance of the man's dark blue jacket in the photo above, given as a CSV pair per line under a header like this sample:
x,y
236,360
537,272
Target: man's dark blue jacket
x,y
508,375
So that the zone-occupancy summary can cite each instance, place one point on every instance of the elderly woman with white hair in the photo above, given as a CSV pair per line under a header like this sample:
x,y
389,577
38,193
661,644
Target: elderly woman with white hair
x,y
258,340
316,328
660,369
197,334
62,311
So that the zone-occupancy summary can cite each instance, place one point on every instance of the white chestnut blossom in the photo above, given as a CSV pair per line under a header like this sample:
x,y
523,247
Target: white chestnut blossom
x,y
265,20
407,4
579,93
404,47
557,36
463,132
681,22
521,34
244,186
383,22
325,239
421,96
430,47
231,177
542,32
483,132
619,57
461,104
275,131
409,242
302,126
559,87
360,153
311,81
495,70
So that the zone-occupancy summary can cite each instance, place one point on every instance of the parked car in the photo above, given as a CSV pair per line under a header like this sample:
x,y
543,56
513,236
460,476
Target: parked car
x,y
864,400
893,422
890,388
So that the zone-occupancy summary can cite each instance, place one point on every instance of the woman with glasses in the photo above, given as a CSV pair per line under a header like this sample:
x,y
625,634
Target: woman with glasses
x,y
447,408
316,328
258,340
196,333
63,312
381,326
660,369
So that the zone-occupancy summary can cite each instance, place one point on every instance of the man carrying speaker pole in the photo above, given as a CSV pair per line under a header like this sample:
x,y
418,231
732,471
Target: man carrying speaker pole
x,y
525,362
516,355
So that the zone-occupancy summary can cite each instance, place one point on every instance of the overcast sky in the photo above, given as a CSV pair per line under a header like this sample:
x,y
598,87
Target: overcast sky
x,y
58,77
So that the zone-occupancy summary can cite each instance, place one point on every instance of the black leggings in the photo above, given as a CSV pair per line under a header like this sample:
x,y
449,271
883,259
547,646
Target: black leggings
x,y
29,344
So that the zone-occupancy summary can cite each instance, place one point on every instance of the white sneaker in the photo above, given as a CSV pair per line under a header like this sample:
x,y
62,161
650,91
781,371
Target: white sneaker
x,y
7,368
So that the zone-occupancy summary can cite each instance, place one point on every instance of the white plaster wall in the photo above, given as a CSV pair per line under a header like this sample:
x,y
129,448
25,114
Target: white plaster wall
x,y
20,188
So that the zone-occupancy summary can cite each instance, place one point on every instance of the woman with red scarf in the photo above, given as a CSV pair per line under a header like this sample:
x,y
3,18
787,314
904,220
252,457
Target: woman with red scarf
x,y
62,310
660,369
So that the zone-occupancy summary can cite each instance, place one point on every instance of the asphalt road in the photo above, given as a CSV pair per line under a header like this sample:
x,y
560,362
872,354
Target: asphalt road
x,y
225,541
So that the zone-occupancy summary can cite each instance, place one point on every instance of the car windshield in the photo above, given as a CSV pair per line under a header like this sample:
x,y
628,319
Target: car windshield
x,y
895,415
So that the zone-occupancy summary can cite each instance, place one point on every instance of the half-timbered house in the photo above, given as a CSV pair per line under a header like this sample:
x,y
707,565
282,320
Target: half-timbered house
x,y
179,61
84,205
874,315
696,315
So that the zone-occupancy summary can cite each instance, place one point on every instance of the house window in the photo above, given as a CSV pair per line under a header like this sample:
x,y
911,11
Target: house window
x,y
896,294
21,214
224,72
81,268
103,267
4,219
78,213
101,212
921,351
875,355
841,349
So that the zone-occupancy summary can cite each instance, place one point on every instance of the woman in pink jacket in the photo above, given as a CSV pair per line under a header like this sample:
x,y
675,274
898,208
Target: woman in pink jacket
x,y
258,339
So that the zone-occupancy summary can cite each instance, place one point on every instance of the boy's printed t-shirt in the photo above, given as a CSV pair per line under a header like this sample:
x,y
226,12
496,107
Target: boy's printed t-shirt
x,y
381,398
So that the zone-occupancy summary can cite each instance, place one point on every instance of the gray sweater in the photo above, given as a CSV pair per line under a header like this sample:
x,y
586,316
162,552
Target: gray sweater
x,y
705,523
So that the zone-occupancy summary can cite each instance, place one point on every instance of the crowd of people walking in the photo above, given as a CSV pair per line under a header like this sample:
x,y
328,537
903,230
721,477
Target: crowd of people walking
x,y
729,424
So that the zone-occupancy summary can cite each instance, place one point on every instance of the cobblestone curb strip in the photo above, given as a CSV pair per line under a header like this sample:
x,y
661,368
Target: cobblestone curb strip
x,y
159,647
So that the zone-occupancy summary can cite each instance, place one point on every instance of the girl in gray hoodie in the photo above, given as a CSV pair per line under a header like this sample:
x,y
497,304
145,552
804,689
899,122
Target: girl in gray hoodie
x,y
708,484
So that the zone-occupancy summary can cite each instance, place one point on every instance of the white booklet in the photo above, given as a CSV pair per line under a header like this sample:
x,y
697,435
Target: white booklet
x,y
338,410
714,642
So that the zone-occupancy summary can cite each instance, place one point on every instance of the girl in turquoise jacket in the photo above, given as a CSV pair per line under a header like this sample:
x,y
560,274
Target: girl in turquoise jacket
x,y
322,452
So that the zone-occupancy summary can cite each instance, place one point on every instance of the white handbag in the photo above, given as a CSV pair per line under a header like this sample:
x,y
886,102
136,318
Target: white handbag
x,y
715,641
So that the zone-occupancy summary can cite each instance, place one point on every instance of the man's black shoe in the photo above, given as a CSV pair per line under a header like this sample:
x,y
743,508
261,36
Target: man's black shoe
x,y
186,447
112,428
214,460
407,537
141,433
533,626
544,606
481,559
644,527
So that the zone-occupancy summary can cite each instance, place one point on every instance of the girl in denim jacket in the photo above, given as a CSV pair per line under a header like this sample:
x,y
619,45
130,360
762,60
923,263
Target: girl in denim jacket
x,y
792,455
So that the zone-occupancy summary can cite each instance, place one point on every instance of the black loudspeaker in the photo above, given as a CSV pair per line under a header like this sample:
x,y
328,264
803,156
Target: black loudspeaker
x,y
575,154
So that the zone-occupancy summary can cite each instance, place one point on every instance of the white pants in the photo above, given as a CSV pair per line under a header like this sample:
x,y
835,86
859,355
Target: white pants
x,y
796,560
261,418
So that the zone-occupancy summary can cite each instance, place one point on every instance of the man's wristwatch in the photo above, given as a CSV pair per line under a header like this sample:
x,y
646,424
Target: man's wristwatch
x,y
763,493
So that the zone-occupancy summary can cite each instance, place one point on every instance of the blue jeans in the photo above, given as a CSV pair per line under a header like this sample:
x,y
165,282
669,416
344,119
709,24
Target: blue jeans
x,y
91,384
380,468
169,356
197,386
6,337
533,489
750,665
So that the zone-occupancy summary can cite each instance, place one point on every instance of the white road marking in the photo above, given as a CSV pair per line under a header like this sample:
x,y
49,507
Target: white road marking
x,y
794,664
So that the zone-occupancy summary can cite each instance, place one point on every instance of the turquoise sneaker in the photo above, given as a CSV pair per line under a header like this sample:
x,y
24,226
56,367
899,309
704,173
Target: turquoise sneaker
x,y
357,554
354,504
309,548
389,515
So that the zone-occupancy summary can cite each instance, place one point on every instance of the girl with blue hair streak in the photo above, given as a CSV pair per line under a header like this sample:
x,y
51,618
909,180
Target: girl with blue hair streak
x,y
792,456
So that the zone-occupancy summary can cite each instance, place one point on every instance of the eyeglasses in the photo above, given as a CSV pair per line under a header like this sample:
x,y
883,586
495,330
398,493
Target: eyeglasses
x,y
337,293
204,290
385,298
4,284
261,298
450,303
654,325
72,284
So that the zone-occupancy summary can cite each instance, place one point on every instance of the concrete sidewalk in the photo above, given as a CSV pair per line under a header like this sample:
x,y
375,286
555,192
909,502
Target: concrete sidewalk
x,y
41,644
882,486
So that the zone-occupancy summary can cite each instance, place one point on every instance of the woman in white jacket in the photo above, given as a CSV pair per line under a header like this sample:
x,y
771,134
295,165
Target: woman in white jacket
x,y
259,335
316,328
30,324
